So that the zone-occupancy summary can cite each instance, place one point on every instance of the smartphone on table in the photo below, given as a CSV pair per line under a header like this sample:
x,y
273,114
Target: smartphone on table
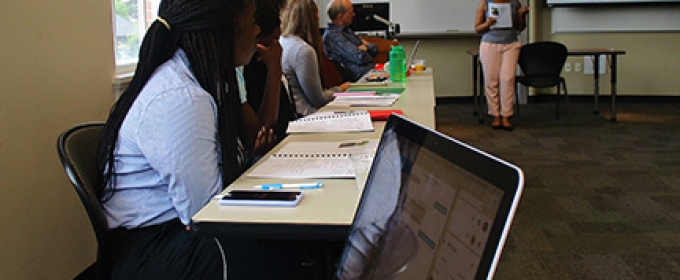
x,y
262,198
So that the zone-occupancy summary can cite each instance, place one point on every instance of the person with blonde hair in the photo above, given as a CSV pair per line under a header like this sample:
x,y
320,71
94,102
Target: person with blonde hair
x,y
302,46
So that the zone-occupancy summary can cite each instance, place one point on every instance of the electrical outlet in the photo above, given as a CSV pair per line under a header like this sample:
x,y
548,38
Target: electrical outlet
x,y
567,67
588,65
577,67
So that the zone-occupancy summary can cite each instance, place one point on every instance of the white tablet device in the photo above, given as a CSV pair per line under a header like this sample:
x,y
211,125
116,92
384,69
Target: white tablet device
x,y
262,198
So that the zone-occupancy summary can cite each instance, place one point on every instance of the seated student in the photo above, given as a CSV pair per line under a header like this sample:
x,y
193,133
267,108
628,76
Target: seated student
x,y
263,75
301,44
174,139
343,46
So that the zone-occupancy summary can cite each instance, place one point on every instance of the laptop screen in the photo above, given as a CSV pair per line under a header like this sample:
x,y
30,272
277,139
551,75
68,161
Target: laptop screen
x,y
432,208
414,51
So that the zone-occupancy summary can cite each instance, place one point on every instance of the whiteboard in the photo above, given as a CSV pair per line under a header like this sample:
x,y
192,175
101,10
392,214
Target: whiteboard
x,y
434,16
657,18
424,16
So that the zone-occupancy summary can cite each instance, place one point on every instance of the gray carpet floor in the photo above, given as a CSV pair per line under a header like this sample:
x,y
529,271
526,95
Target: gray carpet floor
x,y
601,199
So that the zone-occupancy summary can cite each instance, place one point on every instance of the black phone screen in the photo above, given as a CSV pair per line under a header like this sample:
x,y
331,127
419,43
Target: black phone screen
x,y
261,195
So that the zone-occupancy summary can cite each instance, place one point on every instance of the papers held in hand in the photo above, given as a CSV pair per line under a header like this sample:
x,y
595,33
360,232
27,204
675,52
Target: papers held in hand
x,y
502,13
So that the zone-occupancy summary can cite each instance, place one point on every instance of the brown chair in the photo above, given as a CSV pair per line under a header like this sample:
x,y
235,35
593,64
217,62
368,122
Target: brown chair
x,y
384,47
334,73
77,148
331,72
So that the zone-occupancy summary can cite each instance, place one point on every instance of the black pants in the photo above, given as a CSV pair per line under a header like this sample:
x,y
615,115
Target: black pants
x,y
168,251
165,251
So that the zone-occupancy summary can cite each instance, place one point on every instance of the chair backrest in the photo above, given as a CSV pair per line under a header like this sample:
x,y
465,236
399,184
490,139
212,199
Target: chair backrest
x,y
77,148
330,72
541,59
345,73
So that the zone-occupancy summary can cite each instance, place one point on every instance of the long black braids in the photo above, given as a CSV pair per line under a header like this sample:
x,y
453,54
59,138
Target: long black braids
x,y
205,31
228,105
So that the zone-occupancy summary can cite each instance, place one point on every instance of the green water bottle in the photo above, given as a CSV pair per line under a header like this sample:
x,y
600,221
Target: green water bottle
x,y
397,64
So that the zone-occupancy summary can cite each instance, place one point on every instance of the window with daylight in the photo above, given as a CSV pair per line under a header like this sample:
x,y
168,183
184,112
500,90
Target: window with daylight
x,y
131,19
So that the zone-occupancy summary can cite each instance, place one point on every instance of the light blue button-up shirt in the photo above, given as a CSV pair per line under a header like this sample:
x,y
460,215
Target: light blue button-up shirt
x,y
167,155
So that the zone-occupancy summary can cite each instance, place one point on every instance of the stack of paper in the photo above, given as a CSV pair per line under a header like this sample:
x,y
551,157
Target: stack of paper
x,y
332,121
385,100
355,93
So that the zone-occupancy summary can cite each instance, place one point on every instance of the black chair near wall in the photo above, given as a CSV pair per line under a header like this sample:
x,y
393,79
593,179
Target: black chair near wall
x,y
541,64
77,148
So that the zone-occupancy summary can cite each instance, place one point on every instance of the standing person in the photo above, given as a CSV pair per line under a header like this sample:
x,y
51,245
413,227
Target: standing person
x,y
175,138
499,52
301,44
343,46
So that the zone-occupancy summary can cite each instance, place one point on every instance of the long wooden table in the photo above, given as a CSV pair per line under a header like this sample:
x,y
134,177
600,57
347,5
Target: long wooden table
x,y
612,54
324,214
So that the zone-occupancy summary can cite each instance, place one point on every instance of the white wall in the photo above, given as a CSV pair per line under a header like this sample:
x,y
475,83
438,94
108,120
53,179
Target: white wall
x,y
55,71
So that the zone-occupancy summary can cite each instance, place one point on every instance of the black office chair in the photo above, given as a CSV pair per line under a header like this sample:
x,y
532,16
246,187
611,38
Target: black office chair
x,y
77,148
541,64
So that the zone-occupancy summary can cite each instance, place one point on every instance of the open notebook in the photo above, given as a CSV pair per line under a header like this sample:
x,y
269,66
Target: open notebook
x,y
312,159
432,208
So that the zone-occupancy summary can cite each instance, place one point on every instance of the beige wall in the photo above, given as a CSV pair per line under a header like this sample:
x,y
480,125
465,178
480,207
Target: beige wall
x,y
56,71
56,65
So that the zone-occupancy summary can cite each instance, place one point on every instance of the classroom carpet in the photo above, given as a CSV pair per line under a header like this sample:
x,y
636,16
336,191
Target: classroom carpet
x,y
601,199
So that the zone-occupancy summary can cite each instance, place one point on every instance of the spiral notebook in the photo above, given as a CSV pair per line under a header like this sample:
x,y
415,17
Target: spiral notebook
x,y
332,121
312,160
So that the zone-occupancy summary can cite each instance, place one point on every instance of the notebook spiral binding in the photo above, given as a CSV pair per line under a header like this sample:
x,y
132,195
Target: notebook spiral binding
x,y
313,155
334,116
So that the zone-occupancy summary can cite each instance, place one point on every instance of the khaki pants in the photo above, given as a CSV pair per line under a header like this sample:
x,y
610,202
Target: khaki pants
x,y
499,62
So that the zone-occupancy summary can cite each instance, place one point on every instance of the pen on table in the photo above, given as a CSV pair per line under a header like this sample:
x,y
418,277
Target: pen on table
x,y
299,186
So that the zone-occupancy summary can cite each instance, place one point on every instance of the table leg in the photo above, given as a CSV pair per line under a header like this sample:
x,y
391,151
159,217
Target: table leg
x,y
474,85
613,85
481,94
596,80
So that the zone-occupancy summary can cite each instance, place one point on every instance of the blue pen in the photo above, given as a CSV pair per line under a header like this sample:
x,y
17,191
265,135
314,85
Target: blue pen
x,y
299,186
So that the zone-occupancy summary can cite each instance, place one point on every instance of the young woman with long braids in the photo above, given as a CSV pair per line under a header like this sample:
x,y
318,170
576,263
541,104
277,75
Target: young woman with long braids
x,y
175,138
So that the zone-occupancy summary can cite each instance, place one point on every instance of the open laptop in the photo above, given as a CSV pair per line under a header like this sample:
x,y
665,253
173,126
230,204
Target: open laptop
x,y
409,62
432,208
